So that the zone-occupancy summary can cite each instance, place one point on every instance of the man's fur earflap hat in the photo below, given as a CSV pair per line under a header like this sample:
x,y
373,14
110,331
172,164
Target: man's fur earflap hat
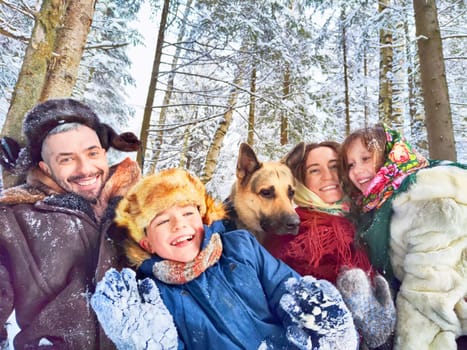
x,y
44,117
158,192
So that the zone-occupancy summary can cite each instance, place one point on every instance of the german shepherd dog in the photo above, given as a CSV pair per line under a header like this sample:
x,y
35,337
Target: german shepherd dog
x,y
261,200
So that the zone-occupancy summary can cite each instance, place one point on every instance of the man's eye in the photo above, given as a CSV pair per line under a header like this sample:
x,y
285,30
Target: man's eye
x,y
188,213
95,153
65,160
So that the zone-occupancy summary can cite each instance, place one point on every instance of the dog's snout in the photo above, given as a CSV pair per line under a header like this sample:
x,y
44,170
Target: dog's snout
x,y
292,225
294,222
285,224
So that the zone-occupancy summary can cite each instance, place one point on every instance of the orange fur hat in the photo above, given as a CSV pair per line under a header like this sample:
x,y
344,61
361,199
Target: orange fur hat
x,y
155,193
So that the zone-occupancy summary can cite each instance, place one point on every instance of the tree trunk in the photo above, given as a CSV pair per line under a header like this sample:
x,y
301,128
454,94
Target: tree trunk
x,y
398,81
63,66
152,86
33,71
433,75
218,138
251,111
366,108
168,92
346,77
385,71
185,161
284,118
32,75
416,118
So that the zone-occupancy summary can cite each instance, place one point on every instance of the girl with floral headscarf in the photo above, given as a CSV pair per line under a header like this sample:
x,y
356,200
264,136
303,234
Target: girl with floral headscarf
x,y
414,224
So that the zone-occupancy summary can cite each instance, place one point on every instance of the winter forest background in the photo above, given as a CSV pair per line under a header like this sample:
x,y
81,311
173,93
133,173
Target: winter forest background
x,y
269,72
219,72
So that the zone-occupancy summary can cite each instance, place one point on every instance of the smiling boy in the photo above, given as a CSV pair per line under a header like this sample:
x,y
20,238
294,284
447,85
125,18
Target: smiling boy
x,y
222,288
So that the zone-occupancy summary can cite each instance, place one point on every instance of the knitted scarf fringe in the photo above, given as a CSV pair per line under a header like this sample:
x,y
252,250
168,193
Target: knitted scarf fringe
x,y
325,246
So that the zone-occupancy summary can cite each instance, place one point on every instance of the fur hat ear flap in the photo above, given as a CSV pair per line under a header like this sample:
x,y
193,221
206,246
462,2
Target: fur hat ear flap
x,y
127,141
128,211
13,157
9,152
214,211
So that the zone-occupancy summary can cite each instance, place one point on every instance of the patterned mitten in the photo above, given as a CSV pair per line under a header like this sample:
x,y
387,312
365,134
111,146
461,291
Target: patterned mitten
x,y
319,317
372,309
133,314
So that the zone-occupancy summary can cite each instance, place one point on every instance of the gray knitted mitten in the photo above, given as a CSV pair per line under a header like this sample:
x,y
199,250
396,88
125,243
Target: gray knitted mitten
x,y
372,308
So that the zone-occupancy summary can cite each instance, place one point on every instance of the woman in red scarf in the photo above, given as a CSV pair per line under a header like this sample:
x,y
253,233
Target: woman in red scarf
x,y
325,242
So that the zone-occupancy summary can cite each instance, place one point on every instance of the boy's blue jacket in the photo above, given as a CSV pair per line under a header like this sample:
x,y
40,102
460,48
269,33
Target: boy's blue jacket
x,y
238,294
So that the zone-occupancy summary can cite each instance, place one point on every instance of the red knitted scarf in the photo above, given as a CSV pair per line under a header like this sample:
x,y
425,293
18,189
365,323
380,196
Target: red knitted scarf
x,y
324,245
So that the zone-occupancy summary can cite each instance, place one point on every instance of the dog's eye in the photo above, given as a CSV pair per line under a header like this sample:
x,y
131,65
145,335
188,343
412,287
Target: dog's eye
x,y
267,193
291,193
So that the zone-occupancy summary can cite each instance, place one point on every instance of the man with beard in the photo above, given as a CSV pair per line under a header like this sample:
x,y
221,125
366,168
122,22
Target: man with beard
x,y
53,242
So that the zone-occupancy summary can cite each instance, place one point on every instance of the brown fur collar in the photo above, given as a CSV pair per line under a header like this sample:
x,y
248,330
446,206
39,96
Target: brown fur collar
x,y
22,194
122,177
38,186
134,253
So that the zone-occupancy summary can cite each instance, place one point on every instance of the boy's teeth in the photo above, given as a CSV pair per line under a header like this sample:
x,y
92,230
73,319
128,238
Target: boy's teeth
x,y
181,239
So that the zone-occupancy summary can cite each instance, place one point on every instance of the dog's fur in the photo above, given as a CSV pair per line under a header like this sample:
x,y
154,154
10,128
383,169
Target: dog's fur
x,y
262,197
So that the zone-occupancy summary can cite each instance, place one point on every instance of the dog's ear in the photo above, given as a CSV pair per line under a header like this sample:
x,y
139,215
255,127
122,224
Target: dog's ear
x,y
294,158
247,162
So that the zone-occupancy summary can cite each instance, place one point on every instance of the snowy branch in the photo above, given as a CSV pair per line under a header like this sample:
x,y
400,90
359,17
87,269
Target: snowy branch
x,y
460,36
23,9
455,58
106,46
12,35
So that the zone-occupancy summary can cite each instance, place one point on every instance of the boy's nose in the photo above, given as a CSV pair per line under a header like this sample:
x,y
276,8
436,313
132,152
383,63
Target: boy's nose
x,y
178,222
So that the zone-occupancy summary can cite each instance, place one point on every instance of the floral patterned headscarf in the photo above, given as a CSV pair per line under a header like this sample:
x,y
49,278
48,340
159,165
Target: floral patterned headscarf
x,y
400,161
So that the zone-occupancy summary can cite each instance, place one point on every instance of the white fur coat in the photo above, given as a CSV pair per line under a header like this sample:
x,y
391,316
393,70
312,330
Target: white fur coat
x,y
429,256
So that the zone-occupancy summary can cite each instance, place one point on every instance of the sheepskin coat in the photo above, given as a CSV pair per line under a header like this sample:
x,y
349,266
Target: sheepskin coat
x,y
52,250
428,241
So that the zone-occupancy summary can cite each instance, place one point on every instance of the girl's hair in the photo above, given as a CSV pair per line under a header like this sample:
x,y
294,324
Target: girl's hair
x,y
300,171
374,138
